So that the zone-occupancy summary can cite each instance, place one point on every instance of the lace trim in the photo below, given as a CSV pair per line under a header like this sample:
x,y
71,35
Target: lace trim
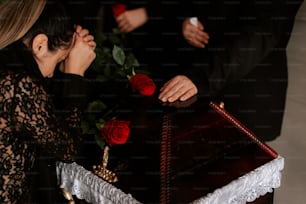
x,y
248,187
86,185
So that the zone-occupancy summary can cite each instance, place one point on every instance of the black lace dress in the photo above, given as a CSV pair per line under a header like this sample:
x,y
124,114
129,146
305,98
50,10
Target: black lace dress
x,y
29,122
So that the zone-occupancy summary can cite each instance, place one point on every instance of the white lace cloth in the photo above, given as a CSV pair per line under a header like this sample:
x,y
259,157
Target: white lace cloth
x,y
248,187
86,185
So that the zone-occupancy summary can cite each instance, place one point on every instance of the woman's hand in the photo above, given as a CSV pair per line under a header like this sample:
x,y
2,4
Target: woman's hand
x,y
194,34
132,19
84,34
81,54
178,88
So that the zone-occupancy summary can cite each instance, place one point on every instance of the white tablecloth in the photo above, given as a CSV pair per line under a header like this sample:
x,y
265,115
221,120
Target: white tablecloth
x,y
86,185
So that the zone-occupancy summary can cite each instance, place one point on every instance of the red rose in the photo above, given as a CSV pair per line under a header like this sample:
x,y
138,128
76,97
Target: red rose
x,y
143,84
115,132
118,9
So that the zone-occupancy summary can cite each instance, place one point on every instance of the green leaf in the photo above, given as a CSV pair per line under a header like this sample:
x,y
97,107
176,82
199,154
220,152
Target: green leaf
x,y
121,73
85,127
116,31
102,78
100,124
114,40
131,61
91,118
118,55
100,38
100,141
107,70
142,71
96,106
106,53
96,65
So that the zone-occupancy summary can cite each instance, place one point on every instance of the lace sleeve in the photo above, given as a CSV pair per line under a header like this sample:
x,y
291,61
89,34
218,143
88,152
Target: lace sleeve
x,y
35,112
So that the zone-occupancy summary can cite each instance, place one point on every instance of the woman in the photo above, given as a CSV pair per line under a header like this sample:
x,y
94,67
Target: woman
x,y
30,52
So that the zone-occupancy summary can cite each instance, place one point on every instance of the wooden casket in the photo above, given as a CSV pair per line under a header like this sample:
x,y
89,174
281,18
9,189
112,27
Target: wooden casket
x,y
179,153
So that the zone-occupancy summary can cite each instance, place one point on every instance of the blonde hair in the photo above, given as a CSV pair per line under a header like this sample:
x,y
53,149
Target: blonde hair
x,y
17,17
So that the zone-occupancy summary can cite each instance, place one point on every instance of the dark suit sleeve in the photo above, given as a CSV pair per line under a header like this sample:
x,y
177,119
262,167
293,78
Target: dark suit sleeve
x,y
240,38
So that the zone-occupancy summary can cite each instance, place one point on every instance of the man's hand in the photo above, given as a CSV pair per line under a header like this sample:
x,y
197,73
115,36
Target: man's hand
x,y
178,88
194,34
132,19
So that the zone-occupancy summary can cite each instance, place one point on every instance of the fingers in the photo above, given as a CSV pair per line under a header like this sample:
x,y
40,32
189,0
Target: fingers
x,y
89,39
132,19
200,25
174,94
82,52
124,23
195,35
85,36
182,104
92,44
198,38
178,88
79,59
81,31
198,42
78,28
